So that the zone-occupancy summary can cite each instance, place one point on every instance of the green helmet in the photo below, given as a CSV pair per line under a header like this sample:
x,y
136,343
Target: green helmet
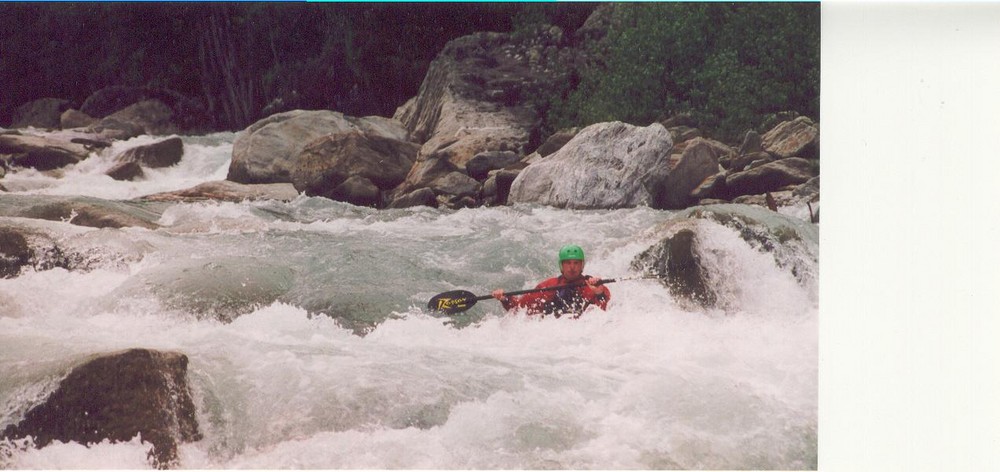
x,y
571,252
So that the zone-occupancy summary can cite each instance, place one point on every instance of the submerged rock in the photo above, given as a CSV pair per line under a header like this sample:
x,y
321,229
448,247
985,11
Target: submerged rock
x,y
82,211
220,288
224,190
677,260
116,397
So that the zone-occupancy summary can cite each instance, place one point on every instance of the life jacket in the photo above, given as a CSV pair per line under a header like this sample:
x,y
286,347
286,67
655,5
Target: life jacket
x,y
569,300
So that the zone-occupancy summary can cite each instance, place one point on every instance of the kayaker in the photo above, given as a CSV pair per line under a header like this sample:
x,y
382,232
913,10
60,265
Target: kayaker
x,y
571,300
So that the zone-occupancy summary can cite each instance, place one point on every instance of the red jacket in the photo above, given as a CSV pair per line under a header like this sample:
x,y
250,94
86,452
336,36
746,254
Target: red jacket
x,y
573,300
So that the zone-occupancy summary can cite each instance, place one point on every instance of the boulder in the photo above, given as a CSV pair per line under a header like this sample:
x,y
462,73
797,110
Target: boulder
x,y
481,164
266,151
425,170
41,113
357,190
224,190
607,165
41,153
678,258
480,93
496,189
125,170
116,397
151,117
770,177
43,245
457,184
80,211
676,262
15,253
159,154
74,118
327,162
188,114
809,190
794,138
420,197
698,162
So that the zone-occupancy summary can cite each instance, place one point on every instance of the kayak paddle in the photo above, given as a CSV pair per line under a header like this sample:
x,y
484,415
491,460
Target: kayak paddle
x,y
457,301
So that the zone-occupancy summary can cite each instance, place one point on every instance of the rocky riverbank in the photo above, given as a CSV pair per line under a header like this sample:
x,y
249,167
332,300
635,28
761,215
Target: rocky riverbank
x,y
471,137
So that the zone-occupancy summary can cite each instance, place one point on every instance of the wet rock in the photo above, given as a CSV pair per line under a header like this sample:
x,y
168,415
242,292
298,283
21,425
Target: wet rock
x,y
266,151
497,186
41,153
128,170
325,164
357,190
82,211
675,261
116,397
224,190
14,252
607,165
420,197
163,153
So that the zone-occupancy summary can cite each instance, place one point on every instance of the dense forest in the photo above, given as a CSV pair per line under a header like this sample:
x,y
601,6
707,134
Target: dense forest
x,y
729,66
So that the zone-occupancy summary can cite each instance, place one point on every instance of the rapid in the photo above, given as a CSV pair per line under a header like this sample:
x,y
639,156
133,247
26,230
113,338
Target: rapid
x,y
331,359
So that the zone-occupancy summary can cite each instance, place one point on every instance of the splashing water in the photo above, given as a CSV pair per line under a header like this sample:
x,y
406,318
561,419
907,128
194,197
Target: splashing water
x,y
331,361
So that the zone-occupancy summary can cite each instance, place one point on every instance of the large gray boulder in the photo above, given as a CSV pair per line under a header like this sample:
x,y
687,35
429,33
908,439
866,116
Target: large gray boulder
x,y
606,165
266,151
116,397
325,164
478,93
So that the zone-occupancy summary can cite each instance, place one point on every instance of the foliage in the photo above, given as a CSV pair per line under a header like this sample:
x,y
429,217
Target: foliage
x,y
729,66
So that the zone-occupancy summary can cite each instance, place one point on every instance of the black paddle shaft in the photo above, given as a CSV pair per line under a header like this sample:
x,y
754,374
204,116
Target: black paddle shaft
x,y
457,301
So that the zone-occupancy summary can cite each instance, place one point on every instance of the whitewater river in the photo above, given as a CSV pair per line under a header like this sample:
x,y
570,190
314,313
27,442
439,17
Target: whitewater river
x,y
331,360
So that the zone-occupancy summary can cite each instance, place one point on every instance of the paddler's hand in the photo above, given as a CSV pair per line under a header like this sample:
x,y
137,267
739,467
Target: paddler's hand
x,y
599,289
498,294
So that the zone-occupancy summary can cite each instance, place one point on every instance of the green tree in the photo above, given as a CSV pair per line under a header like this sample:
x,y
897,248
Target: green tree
x,y
730,66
